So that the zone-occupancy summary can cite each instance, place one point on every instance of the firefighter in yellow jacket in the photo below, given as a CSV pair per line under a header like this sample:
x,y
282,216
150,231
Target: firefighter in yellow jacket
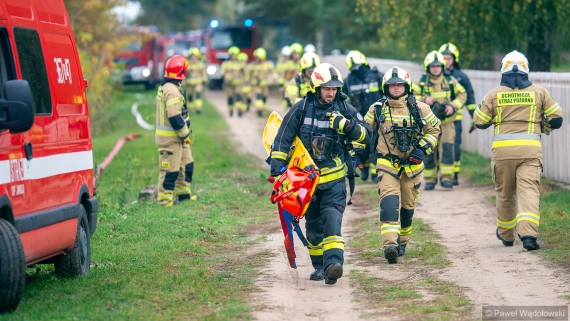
x,y
195,80
245,88
298,86
175,160
233,73
261,74
445,95
407,132
520,112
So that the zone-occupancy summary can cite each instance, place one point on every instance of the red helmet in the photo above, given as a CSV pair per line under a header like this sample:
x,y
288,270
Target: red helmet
x,y
176,67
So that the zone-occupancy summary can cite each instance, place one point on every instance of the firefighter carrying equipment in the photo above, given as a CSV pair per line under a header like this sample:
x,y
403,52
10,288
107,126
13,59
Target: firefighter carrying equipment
x,y
518,115
355,58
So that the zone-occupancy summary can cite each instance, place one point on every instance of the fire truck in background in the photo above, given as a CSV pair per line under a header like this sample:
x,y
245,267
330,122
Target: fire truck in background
x,y
178,43
219,38
140,56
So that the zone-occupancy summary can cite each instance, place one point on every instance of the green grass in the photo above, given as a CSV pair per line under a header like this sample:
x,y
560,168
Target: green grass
x,y
152,263
554,210
424,296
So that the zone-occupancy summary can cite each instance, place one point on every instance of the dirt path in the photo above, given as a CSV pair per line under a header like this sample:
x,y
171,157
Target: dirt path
x,y
489,273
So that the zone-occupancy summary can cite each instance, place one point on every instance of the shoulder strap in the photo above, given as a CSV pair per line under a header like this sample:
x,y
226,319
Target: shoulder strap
x,y
451,89
423,79
298,82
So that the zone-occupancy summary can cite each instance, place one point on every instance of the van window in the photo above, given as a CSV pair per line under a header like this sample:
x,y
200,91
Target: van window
x,y
6,61
33,67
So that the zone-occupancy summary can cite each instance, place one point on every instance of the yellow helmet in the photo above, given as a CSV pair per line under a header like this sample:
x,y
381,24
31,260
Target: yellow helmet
x,y
233,50
434,58
260,53
242,56
450,49
354,58
309,60
296,47
325,75
194,51
396,75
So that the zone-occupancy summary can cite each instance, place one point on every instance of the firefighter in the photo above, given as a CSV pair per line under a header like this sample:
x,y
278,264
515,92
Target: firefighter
x,y
310,48
261,74
299,86
245,88
362,86
407,131
520,112
233,73
281,67
326,124
195,80
175,161
445,96
451,56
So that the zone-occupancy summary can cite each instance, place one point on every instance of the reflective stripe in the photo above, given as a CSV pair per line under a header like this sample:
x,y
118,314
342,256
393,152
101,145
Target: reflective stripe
x,y
318,123
486,118
507,224
519,142
362,134
457,166
551,110
440,94
369,117
446,169
165,128
385,162
429,117
532,217
388,228
429,173
516,136
332,238
471,107
458,104
278,155
167,133
358,145
172,101
498,120
335,245
399,118
531,119
181,190
315,250
406,231
331,174
165,196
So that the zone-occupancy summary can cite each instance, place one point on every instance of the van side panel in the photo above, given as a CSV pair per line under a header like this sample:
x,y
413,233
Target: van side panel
x,y
56,236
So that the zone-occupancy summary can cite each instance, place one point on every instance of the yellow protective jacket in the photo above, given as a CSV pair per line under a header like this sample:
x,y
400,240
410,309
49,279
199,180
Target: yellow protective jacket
x,y
196,73
171,124
261,72
519,116
440,90
233,72
297,88
394,112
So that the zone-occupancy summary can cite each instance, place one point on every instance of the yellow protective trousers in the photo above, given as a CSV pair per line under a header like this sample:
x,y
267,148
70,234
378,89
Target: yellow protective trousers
x,y
442,160
176,167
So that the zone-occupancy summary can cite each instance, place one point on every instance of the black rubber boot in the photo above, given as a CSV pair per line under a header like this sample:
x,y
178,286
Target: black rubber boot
x,y
455,179
374,178
317,275
505,243
402,249
446,184
231,112
260,113
333,273
529,243
240,113
391,254
364,173
429,186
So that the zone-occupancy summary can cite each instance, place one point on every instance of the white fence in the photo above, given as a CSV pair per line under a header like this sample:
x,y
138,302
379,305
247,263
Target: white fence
x,y
555,148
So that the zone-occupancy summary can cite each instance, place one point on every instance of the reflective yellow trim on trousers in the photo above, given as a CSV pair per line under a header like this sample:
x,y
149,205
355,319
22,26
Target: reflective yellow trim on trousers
x,y
406,231
390,228
507,224
168,133
531,119
333,242
165,196
446,169
551,110
182,190
486,118
457,166
516,142
429,173
532,217
315,250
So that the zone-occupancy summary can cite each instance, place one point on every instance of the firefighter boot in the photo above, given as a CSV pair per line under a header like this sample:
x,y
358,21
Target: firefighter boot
x,y
455,179
402,250
333,273
446,184
317,275
188,197
505,243
364,171
391,254
529,243
429,186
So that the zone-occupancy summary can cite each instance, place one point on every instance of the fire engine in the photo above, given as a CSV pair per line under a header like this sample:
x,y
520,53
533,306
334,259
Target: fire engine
x,y
219,38
177,43
48,208
140,56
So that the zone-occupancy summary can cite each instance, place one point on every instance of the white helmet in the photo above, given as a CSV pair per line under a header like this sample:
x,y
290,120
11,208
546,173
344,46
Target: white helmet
x,y
310,48
286,51
513,59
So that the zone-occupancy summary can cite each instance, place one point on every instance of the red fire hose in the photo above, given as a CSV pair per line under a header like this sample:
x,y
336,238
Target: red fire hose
x,y
114,152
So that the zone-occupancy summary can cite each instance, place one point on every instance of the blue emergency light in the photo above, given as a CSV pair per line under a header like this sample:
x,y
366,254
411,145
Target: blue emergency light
x,y
248,22
214,24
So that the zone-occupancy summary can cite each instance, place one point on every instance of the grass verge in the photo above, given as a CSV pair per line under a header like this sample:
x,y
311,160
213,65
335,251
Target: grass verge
x,y
413,290
190,261
554,210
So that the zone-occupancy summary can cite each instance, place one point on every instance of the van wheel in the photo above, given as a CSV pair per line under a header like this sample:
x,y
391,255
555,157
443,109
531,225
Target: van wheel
x,y
77,261
12,267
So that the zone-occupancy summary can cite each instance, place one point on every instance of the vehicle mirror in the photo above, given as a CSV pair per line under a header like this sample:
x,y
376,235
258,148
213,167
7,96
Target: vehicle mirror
x,y
18,106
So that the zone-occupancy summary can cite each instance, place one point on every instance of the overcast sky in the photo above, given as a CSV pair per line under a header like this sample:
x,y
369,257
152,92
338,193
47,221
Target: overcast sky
x,y
128,12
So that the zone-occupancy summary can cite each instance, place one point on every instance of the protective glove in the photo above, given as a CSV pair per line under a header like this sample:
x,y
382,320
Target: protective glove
x,y
546,127
277,167
338,122
438,110
417,156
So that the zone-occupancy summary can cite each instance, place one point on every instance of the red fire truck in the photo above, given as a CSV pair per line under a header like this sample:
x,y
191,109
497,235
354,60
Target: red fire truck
x,y
139,56
177,43
219,38
48,209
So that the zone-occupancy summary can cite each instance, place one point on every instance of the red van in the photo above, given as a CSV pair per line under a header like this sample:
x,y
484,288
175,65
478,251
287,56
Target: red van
x,y
48,209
